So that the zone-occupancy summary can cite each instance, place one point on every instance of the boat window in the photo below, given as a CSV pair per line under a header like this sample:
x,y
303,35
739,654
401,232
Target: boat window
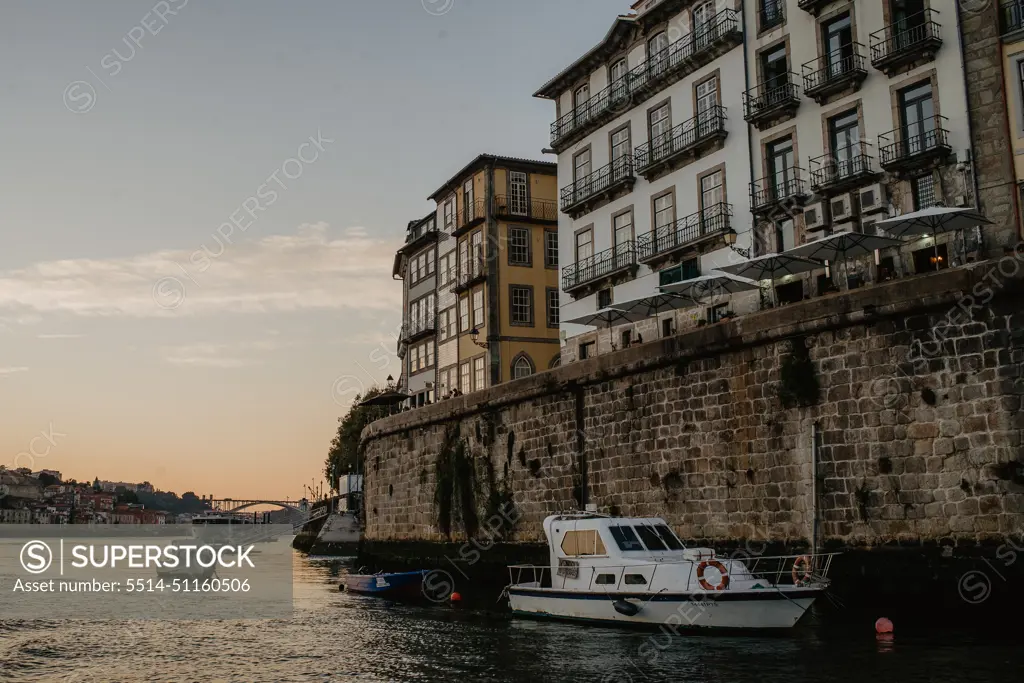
x,y
650,538
586,542
635,580
625,538
605,579
671,540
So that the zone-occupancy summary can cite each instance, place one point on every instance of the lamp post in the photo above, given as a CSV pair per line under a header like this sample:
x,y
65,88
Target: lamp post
x,y
730,241
474,336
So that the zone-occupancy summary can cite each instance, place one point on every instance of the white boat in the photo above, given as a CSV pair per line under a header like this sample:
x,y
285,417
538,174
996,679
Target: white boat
x,y
636,571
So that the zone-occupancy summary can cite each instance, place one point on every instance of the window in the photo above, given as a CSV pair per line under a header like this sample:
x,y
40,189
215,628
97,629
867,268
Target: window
x,y
621,146
521,307
668,327
464,324
478,374
669,536
519,204
476,251
467,200
478,309
635,580
579,102
552,307
580,543
414,359
464,377
551,248
774,65
584,245
519,247
586,350
716,312
605,580
790,293
930,259
625,538
449,214
430,256
664,218
923,189
837,39
687,270
604,298
444,265
917,119
781,167
771,13
522,367
712,192
703,19
844,136
622,226
785,235
659,122
626,338
442,325
463,260
650,537
707,102
581,165
656,53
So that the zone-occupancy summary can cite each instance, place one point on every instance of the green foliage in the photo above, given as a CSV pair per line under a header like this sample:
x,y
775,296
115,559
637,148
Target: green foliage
x,y
799,384
343,456
455,487
168,501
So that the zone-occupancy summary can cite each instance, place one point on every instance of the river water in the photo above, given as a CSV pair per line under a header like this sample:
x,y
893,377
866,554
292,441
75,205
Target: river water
x,y
336,636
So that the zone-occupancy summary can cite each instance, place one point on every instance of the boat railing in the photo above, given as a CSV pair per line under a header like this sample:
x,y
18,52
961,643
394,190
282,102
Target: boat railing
x,y
806,569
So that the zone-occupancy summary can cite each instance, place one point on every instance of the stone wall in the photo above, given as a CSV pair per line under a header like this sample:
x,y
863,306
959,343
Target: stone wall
x,y
917,414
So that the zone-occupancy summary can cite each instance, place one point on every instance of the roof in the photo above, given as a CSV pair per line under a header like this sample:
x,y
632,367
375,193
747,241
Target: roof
x,y
486,159
619,31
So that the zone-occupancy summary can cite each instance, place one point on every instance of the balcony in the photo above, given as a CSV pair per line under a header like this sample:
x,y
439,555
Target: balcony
x,y
837,173
1011,16
812,6
684,143
684,56
914,40
779,192
467,274
771,103
522,209
704,227
928,146
838,71
418,328
620,259
469,217
420,237
770,13
578,197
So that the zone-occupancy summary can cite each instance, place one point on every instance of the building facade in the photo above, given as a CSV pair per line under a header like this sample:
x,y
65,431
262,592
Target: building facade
x,y
697,134
480,280
1012,52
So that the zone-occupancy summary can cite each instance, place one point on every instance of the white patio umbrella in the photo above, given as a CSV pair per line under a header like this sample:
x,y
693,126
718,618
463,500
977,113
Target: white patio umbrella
x,y
605,317
771,266
932,221
651,306
842,244
715,282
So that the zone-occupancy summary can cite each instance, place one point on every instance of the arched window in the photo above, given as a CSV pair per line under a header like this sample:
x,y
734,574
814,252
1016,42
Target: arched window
x,y
555,362
522,366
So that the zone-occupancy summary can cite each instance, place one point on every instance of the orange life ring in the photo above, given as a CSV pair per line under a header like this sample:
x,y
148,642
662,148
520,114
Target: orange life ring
x,y
721,570
805,562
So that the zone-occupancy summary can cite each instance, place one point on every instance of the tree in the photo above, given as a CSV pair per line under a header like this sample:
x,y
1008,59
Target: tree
x,y
46,479
343,456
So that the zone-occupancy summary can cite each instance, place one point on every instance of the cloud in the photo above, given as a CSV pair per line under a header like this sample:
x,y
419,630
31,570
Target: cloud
x,y
59,336
12,370
220,355
308,270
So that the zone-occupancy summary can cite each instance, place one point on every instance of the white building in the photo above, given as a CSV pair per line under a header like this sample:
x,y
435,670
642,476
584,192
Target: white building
x,y
772,122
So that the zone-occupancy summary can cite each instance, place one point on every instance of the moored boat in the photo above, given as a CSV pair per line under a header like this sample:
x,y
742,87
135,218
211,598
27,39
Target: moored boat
x,y
637,571
399,585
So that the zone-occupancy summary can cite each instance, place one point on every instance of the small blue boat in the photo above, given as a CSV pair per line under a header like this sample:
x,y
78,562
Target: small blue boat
x,y
402,585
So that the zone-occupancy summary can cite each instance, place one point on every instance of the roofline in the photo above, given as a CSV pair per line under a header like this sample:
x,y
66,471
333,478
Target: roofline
x,y
486,159
557,85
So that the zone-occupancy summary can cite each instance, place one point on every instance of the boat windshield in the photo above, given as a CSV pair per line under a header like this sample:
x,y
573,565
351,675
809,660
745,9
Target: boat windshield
x,y
625,538
667,535
650,538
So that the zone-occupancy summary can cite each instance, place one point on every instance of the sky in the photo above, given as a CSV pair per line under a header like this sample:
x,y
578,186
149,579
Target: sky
x,y
200,204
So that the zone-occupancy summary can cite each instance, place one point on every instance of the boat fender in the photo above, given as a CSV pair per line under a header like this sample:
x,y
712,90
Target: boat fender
x,y
722,585
626,608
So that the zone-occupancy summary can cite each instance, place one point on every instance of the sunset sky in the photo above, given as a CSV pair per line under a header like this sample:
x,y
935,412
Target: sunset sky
x,y
136,343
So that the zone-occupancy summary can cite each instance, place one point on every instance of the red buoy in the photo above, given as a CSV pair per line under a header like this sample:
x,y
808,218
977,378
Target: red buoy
x,y
456,597
883,625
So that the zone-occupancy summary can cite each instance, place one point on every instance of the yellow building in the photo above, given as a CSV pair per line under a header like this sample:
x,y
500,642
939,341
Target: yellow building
x,y
497,273
1012,18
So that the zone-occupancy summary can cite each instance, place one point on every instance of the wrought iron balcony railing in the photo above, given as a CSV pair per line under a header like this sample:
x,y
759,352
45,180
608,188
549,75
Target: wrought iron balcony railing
x,y
467,274
776,189
689,136
769,101
418,327
1011,16
606,179
619,258
470,215
842,168
678,59
835,71
914,38
685,232
520,207
903,149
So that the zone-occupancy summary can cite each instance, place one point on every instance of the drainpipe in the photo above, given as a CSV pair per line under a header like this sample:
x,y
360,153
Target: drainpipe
x,y
814,487
750,134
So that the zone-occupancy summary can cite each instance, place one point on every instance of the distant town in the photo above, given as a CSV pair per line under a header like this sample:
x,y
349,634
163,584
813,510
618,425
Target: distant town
x,y
44,497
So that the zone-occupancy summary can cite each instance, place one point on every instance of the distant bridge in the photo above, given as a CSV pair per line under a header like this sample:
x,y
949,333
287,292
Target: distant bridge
x,y
237,505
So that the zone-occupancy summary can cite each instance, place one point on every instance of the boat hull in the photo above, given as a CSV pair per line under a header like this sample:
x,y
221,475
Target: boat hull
x,y
767,609
405,585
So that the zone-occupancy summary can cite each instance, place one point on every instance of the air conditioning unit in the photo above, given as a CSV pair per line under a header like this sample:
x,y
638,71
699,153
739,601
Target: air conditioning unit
x,y
872,198
849,226
814,216
960,200
841,207
867,224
